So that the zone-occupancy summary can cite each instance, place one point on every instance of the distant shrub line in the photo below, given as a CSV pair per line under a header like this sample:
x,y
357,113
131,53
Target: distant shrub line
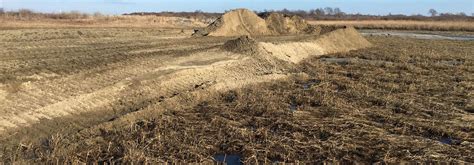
x,y
329,14
29,14
314,14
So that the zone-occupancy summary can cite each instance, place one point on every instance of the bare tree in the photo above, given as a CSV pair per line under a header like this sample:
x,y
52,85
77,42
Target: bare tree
x,y
25,13
433,12
285,11
338,12
329,11
318,12
98,14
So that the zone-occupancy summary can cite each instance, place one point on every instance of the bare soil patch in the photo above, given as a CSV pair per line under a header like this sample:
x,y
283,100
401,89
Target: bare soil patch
x,y
285,24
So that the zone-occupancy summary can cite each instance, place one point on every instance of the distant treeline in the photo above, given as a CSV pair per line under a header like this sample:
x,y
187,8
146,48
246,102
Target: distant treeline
x,y
336,14
328,13
196,14
30,14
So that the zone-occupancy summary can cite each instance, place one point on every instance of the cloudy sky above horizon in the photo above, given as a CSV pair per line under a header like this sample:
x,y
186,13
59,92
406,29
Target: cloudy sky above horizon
x,y
380,7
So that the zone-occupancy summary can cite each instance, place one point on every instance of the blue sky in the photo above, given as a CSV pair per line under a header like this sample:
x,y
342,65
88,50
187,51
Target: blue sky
x,y
349,6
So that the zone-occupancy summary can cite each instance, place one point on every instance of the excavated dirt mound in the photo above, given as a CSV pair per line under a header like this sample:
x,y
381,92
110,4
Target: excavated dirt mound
x,y
245,22
243,44
286,24
236,23
336,41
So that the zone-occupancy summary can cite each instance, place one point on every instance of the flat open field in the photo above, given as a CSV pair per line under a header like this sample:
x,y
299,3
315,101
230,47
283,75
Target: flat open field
x,y
158,95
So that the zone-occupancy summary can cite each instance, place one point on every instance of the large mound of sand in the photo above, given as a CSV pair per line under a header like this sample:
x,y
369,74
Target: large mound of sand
x,y
245,22
236,23
243,45
337,41
285,24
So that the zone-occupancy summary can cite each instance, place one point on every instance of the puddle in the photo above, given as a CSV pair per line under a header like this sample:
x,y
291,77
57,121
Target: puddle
x,y
293,107
231,159
449,141
293,104
452,62
419,35
335,60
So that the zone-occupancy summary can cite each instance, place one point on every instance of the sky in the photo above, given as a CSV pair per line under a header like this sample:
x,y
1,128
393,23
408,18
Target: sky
x,y
378,7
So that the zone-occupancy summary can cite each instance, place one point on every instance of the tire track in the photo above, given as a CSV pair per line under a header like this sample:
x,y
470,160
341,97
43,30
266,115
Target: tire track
x,y
77,93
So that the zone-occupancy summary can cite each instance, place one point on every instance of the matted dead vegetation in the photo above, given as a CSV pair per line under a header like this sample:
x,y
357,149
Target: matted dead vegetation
x,y
402,100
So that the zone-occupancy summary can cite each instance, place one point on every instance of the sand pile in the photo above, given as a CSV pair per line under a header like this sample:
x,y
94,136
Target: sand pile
x,y
243,44
236,23
245,22
285,24
336,41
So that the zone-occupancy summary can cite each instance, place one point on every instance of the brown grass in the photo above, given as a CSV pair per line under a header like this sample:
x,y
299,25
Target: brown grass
x,y
404,25
72,20
395,102
28,19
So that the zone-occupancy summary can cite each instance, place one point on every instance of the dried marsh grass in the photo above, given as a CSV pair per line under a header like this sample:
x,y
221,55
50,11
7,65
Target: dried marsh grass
x,y
30,19
404,25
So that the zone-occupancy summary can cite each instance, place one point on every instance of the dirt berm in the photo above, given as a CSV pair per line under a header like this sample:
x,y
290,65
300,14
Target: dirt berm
x,y
289,24
236,23
245,22
336,41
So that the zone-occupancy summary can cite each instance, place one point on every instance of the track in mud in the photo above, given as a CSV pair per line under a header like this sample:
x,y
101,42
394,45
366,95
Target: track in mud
x,y
67,75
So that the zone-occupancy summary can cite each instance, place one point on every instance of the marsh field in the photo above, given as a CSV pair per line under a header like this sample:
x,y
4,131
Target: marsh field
x,y
156,94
